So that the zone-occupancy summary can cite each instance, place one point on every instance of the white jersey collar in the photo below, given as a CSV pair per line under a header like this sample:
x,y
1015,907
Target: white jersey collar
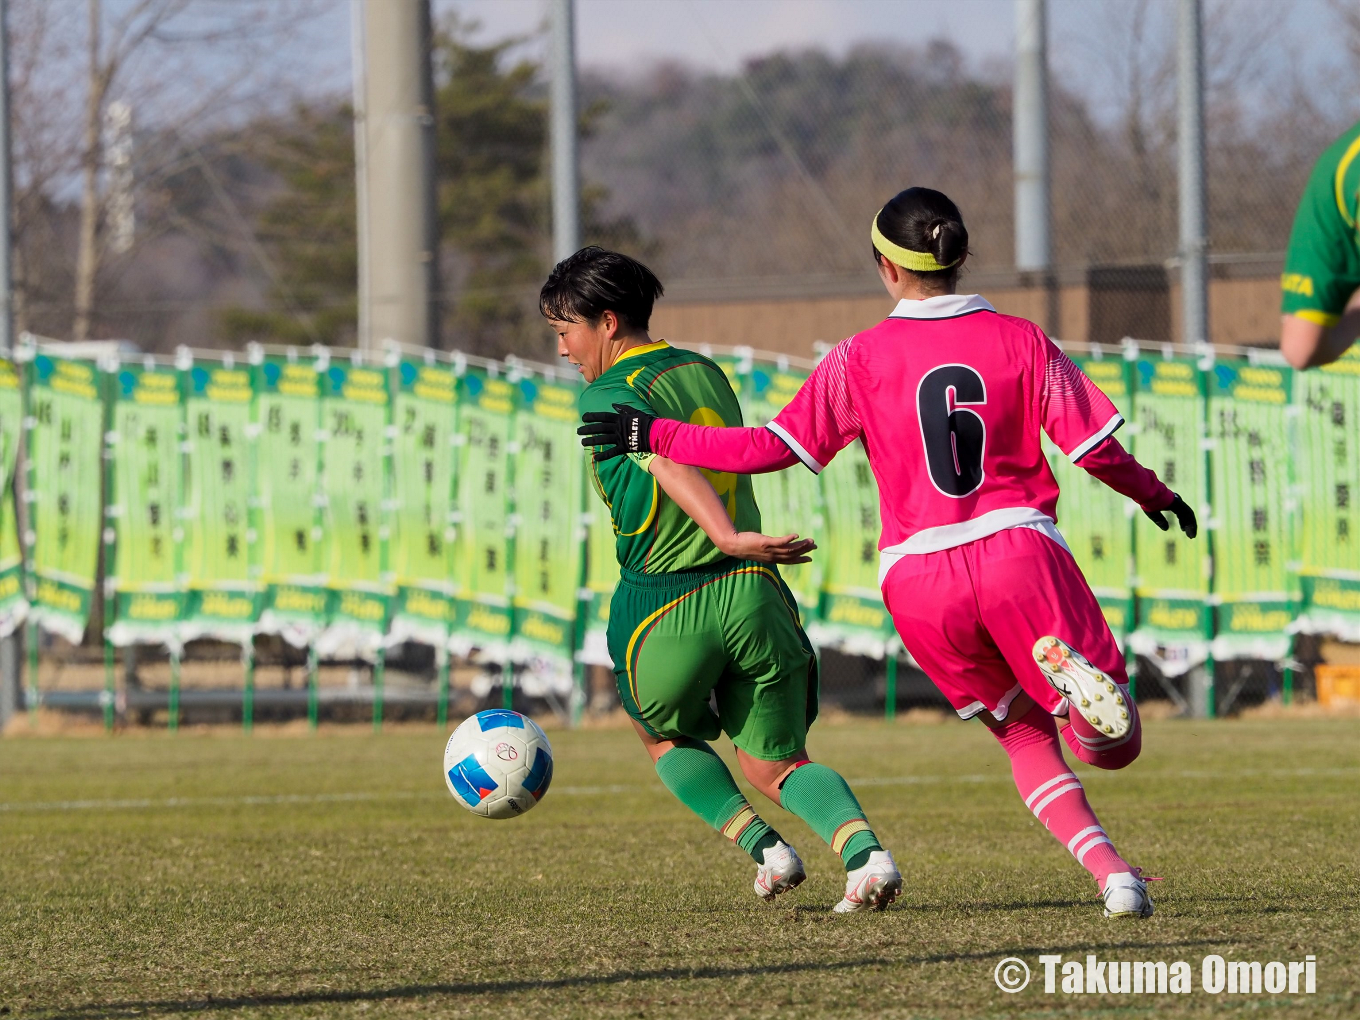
x,y
942,306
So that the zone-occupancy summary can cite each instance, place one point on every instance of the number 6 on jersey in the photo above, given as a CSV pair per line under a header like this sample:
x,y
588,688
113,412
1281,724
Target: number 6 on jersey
x,y
953,435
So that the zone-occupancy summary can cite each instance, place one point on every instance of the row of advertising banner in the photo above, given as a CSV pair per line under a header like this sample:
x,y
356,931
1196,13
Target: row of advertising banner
x,y
350,505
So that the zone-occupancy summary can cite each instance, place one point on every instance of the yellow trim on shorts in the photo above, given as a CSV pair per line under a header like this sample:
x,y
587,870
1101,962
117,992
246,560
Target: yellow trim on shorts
x,y
843,833
628,662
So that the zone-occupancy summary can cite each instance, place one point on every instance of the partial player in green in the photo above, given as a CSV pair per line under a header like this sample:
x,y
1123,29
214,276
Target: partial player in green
x,y
704,634
1321,280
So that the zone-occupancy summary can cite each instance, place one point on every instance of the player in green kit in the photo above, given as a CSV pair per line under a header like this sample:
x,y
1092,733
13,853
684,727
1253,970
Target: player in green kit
x,y
1321,280
704,634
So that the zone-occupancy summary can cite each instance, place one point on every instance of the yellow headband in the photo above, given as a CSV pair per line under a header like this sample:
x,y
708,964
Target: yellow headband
x,y
918,261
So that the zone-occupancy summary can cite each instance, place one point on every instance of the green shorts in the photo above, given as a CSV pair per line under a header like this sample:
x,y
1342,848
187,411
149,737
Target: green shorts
x,y
729,632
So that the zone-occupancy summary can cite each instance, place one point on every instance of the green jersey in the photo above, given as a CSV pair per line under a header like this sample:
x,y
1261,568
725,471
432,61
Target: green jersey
x,y
1322,265
653,535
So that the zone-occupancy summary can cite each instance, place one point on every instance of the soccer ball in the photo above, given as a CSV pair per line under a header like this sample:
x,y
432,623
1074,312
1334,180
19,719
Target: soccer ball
x,y
498,764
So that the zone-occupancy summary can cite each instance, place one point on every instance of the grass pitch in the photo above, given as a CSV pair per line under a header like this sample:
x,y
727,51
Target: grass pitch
x,y
332,876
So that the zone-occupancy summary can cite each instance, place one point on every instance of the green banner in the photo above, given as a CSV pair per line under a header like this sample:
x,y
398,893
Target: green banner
x,y
1249,454
355,406
145,566
790,500
221,551
602,575
1094,518
424,413
13,603
1328,473
288,457
65,453
486,423
1174,622
852,617
548,493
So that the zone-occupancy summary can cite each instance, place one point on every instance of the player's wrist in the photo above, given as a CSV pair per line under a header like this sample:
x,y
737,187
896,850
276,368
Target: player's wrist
x,y
661,434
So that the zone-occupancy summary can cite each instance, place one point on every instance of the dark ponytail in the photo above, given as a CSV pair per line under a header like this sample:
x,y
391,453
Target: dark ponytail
x,y
923,220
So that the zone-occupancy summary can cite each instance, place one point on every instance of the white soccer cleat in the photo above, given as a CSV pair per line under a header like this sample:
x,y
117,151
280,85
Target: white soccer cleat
x,y
1099,699
1126,895
782,870
873,886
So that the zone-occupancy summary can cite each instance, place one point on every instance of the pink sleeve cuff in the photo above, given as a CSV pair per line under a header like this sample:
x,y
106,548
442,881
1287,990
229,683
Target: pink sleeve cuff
x,y
1116,467
745,451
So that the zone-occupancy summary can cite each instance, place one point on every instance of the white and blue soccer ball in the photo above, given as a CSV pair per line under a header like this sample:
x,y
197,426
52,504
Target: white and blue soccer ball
x,y
498,764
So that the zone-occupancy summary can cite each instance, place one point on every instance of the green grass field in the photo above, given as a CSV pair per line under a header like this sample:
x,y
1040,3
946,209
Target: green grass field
x,y
332,876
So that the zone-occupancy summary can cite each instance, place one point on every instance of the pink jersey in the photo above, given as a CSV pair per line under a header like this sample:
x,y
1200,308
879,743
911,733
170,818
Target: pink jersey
x,y
949,397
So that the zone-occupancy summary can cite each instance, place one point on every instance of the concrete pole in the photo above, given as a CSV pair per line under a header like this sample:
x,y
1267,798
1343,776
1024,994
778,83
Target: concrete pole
x,y
1194,244
1029,127
9,652
400,230
566,184
364,332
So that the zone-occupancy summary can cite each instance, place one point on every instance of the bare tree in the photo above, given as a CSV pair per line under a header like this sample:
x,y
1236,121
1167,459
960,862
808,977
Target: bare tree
x,y
152,53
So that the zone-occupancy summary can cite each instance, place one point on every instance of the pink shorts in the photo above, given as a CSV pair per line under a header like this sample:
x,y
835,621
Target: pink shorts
x,y
970,616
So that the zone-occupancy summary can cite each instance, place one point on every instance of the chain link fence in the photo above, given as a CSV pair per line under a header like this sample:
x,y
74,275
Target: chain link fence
x,y
755,186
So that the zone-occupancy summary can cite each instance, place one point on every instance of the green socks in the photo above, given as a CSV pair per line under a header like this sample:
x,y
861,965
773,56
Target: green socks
x,y
819,796
701,782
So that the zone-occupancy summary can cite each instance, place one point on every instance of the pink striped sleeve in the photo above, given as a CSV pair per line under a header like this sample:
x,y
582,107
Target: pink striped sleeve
x,y
1075,414
747,451
821,419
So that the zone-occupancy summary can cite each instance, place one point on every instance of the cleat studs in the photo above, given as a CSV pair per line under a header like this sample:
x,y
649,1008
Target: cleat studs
x,y
1100,697
1085,703
1123,715
1108,728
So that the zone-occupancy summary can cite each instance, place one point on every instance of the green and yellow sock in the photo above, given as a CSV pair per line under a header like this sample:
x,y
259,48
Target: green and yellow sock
x,y
701,782
819,796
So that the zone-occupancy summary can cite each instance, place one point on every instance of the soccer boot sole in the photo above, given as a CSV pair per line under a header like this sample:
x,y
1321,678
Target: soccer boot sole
x,y
1090,692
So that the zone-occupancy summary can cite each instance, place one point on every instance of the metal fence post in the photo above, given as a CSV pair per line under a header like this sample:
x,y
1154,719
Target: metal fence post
x,y
1190,157
566,188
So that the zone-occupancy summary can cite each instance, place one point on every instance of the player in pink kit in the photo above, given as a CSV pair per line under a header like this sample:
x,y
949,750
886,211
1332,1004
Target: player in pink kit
x,y
949,398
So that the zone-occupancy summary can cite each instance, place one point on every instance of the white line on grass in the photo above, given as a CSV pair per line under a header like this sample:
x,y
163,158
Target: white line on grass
x,y
591,791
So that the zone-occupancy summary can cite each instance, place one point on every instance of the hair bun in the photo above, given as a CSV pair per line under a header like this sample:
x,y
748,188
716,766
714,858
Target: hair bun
x,y
948,241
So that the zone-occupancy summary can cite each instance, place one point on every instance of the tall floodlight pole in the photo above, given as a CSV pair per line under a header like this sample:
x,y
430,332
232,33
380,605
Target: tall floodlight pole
x,y
566,184
364,337
399,230
1194,242
1029,127
9,652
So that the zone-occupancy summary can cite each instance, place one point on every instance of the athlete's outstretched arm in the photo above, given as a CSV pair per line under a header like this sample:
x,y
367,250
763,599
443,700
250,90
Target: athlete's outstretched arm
x,y
693,494
817,423
1118,469
745,451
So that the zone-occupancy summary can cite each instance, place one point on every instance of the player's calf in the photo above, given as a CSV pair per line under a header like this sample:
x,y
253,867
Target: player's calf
x,y
1106,752
1056,797
700,780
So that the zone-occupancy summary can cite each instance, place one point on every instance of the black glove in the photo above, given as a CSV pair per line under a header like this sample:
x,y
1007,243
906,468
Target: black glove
x,y
1185,517
624,430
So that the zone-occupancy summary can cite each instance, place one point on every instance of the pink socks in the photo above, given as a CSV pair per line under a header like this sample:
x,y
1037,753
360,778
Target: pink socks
x,y
1055,794
1094,748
